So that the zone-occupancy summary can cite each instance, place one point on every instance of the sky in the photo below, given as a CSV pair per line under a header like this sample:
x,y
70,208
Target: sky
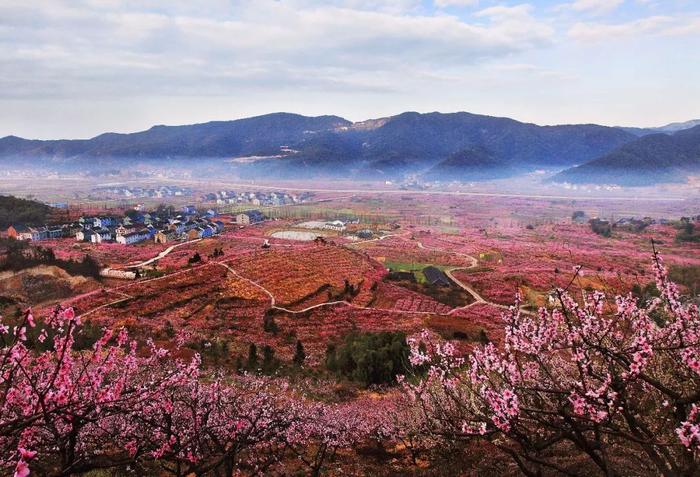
x,y
75,69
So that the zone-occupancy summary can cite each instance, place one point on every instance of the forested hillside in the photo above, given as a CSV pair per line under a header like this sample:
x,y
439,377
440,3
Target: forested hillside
x,y
22,211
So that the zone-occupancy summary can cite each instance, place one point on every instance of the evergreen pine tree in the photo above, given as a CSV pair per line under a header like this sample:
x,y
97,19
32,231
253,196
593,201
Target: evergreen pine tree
x,y
268,359
252,357
299,354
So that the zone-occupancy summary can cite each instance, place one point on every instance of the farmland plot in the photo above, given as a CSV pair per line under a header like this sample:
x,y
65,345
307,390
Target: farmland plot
x,y
295,276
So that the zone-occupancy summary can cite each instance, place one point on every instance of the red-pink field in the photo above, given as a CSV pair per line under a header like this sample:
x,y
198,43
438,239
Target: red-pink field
x,y
364,352
495,247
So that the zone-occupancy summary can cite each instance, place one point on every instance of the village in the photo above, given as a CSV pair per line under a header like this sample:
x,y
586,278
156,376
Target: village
x,y
162,226
265,199
225,197
142,192
165,224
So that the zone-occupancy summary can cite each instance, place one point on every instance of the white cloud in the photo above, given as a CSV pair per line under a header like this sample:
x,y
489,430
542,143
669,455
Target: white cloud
x,y
120,48
651,26
596,7
506,12
455,3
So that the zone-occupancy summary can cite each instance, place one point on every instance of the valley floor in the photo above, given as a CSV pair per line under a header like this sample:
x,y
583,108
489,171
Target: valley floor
x,y
489,248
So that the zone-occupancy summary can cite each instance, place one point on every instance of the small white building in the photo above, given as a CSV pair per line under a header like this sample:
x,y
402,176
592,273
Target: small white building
x,y
84,235
121,274
337,225
123,230
100,235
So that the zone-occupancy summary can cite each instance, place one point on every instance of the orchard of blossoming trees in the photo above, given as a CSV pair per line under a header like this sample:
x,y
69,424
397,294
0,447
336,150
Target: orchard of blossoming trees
x,y
594,386
66,412
585,387
580,389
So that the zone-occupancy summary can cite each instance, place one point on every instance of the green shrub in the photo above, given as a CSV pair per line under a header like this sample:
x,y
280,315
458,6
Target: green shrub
x,y
370,358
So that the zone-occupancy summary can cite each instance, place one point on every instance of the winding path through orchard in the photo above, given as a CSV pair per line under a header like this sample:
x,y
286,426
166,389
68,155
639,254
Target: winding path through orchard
x,y
478,299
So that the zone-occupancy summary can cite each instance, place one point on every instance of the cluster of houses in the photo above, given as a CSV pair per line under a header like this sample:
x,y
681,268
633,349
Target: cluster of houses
x,y
130,229
630,224
144,192
24,232
188,225
229,197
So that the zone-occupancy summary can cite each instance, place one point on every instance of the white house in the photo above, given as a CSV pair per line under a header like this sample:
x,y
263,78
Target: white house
x,y
100,235
21,232
84,235
133,237
123,230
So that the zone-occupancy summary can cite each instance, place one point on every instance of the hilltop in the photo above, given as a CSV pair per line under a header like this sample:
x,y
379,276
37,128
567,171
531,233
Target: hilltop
x,y
648,160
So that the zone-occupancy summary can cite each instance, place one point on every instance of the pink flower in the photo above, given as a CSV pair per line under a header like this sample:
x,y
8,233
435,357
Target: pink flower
x,y
131,448
22,469
69,313
26,454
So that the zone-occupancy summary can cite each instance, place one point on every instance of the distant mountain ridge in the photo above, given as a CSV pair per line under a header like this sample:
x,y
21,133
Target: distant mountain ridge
x,y
675,127
300,146
649,160
667,129
254,135
437,146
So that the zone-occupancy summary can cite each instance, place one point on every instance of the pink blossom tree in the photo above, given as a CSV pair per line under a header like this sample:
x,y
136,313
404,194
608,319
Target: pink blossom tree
x,y
64,411
610,385
329,427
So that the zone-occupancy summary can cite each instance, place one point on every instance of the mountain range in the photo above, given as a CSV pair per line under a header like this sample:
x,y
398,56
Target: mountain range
x,y
667,129
435,146
651,159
